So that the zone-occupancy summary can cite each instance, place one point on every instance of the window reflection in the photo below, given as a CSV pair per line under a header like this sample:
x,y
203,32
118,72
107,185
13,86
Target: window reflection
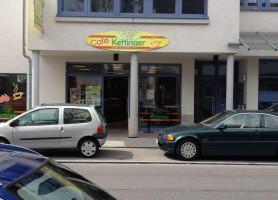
x,y
164,6
159,101
106,6
132,6
73,5
193,6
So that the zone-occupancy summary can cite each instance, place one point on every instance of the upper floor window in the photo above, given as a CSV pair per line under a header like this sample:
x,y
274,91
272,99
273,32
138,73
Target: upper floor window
x,y
259,4
134,8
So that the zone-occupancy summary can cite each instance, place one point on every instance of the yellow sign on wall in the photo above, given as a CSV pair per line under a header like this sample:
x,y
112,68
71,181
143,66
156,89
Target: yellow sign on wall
x,y
127,41
38,14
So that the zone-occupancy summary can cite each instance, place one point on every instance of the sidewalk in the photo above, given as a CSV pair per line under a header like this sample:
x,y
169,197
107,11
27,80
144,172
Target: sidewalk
x,y
119,148
119,139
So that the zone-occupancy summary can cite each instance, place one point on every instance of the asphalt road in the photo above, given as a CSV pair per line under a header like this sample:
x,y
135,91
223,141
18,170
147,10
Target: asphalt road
x,y
179,181
153,155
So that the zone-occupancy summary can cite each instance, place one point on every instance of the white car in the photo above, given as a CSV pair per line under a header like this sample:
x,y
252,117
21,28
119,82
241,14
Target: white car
x,y
57,126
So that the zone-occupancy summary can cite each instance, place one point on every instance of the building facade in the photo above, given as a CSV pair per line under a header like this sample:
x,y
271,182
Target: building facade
x,y
220,55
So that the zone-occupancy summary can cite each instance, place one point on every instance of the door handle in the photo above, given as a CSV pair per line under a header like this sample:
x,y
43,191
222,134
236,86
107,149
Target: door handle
x,y
257,132
61,128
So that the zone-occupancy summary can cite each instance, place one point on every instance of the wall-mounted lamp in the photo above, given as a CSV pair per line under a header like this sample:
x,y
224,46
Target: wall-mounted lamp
x,y
116,57
215,58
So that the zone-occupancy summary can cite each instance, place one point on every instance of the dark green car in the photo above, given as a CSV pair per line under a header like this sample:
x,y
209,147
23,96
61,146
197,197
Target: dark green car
x,y
237,132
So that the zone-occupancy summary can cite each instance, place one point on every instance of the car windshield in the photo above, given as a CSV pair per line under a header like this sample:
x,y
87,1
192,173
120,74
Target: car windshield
x,y
214,118
55,181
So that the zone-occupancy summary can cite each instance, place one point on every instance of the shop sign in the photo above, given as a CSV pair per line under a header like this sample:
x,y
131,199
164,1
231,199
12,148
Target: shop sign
x,y
127,41
4,98
16,95
38,4
93,95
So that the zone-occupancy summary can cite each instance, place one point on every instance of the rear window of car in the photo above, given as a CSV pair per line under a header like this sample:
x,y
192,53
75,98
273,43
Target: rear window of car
x,y
54,181
101,117
74,116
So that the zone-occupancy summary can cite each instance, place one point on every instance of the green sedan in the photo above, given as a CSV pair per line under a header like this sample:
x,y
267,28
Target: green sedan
x,y
236,132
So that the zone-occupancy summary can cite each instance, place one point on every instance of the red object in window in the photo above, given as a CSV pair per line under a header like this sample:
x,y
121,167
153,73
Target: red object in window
x,y
100,129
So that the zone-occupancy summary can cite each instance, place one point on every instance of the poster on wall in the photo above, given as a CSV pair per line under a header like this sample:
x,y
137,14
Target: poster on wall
x,y
150,94
75,95
93,95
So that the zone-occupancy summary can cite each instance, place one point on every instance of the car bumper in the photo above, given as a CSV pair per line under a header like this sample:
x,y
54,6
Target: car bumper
x,y
167,146
101,138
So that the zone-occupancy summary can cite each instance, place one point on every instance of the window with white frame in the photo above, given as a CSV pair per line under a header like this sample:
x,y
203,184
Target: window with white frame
x,y
134,8
259,4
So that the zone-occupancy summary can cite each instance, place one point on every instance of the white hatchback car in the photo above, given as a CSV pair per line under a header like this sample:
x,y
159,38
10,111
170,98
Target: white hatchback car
x,y
57,126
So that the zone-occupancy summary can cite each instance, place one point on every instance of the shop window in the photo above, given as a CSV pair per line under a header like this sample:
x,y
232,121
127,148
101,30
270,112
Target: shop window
x,y
259,4
159,99
85,68
84,89
268,83
134,8
118,69
12,95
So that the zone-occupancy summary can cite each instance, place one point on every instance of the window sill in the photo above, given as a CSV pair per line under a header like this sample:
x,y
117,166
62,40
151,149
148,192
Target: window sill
x,y
132,20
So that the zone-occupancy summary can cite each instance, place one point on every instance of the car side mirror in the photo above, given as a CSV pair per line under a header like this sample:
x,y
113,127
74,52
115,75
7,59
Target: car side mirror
x,y
222,126
14,123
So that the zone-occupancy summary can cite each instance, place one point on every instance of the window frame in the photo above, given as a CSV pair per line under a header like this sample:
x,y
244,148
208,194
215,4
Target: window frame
x,y
147,11
259,7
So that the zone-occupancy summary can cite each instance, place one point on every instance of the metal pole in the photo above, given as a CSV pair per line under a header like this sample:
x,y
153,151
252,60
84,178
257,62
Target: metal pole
x,y
29,74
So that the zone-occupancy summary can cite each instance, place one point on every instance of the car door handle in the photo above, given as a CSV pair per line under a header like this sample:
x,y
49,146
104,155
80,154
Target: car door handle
x,y
257,132
62,129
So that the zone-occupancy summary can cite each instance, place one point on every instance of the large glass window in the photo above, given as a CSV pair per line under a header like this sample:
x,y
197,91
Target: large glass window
x,y
268,83
259,4
106,6
134,8
12,95
72,5
84,89
159,100
193,6
164,6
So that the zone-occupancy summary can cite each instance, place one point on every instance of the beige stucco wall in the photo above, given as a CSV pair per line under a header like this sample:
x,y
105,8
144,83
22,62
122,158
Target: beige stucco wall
x,y
11,58
258,21
250,69
223,27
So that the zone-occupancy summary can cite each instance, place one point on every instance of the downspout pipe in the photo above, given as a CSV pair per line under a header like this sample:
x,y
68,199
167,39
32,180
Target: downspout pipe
x,y
29,75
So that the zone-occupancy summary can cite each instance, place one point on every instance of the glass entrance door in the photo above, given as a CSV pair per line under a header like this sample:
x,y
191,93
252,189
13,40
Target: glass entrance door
x,y
210,89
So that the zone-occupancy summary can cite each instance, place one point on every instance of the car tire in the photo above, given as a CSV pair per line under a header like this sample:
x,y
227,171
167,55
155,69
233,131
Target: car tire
x,y
88,148
3,141
188,149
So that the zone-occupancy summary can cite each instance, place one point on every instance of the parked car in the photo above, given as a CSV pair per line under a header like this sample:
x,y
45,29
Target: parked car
x,y
237,132
57,126
25,175
273,107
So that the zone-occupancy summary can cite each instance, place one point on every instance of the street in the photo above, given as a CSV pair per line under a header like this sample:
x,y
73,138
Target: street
x,y
183,181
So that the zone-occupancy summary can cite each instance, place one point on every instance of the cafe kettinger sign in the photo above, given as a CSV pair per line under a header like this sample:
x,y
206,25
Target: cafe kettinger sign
x,y
127,41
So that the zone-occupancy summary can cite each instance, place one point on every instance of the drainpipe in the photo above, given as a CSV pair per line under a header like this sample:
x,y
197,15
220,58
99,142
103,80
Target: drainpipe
x,y
29,75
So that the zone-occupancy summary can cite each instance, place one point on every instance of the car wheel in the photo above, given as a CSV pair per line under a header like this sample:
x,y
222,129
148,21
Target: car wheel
x,y
188,149
3,141
88,148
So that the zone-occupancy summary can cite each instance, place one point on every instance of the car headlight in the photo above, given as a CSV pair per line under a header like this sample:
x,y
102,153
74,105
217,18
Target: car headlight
x,y
170,137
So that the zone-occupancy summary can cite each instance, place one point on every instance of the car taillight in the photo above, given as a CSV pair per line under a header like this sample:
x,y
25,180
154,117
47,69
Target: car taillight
x,y
100,129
